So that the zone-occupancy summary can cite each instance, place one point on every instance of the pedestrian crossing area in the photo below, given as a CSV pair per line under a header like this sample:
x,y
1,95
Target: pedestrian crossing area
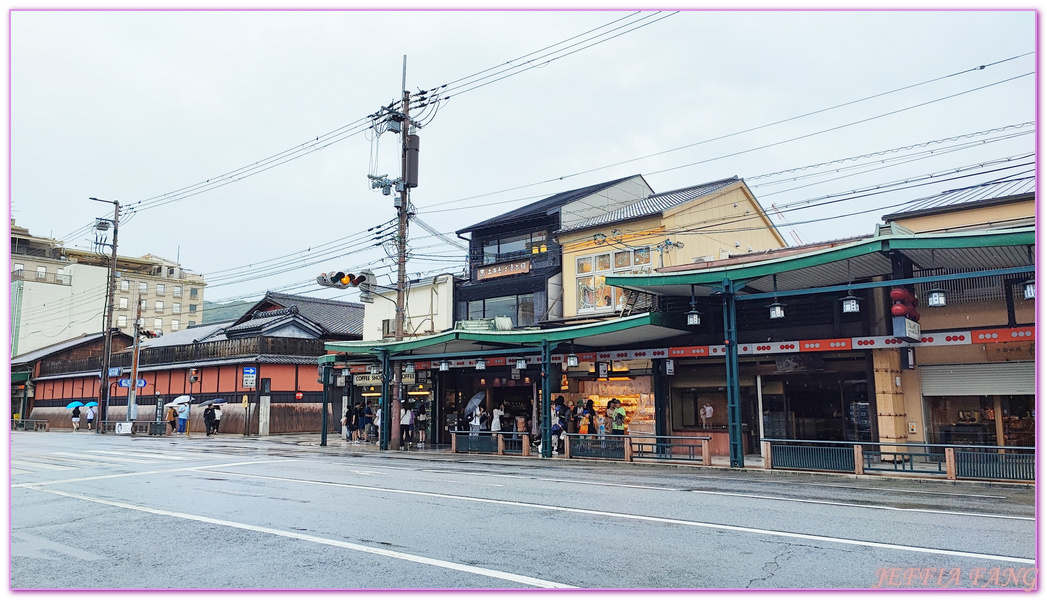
x,y
22,464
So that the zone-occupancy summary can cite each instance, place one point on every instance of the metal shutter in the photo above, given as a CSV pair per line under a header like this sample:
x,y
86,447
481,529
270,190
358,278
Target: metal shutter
x,y
985,379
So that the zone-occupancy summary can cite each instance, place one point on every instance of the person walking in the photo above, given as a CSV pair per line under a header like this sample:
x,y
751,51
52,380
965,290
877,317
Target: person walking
x,y
421,420
496,418
183,417
479,418
90,414
172,418
406,426
559,428
217,416
365,432
361,431
347,419
208,419
76,418
378,426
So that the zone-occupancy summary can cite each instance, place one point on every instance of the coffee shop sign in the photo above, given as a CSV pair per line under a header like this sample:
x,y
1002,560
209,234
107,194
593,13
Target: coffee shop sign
x,y
504,269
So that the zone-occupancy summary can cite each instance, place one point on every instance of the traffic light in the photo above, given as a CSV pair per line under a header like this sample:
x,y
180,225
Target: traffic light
x,y
341,280
150,333
193,378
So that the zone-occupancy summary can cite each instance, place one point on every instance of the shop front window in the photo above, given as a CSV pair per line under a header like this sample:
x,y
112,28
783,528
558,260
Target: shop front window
x,y
593,294
1007,420
520,309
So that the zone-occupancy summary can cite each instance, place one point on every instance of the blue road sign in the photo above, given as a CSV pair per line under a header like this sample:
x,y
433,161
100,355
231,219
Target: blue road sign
x,y
114,371
127,383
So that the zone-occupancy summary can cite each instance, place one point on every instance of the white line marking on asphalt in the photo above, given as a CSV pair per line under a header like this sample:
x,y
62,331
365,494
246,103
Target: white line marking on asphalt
x,y
19,472
40,465
875,506
576,481
523,579
155,472
140,454
704,525
104,458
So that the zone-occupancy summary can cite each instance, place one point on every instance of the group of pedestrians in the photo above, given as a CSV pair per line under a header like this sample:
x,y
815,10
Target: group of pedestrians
x,y
177,418
360,423
498,421
584,419
88,414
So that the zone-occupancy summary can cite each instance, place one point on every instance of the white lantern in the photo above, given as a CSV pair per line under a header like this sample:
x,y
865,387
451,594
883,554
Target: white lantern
x,y
936,298
480,364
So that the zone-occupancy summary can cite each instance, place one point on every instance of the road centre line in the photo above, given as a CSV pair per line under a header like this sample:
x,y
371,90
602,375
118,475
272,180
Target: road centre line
x,y
667,520
875,506
154,472
523,579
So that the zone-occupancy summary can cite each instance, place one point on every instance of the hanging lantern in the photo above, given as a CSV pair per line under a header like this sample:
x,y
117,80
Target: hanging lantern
x,y
480,364
1030,289
777,310
572,360
851,303
409,368
521,364
694,317
444,366
936,298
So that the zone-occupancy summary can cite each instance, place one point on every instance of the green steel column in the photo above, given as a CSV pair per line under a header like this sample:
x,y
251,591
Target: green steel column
x,y
734,409
387,423
547,366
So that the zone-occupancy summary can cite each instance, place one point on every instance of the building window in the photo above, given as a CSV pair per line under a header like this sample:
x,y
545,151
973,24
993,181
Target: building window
x,y
41,272
160,288
18,268
170,271
175,324
192,308
177,291
159,306
388,328
125,285
121,321
509,247
193,293
158,323
176,307
192,323
594,295
123,303
143,287
519,309
142,303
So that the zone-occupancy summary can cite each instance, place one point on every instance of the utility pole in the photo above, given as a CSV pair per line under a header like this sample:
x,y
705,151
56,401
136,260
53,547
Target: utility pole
x,y
401,253
132,391
103,381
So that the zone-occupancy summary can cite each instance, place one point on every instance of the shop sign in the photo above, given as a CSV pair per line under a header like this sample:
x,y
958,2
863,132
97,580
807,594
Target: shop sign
x,y
366,379
906,329
518,267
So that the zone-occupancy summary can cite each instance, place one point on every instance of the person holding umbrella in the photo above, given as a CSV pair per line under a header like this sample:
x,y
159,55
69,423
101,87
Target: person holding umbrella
x,y
172,418
217,416
76,418
209,419
90,416
183,416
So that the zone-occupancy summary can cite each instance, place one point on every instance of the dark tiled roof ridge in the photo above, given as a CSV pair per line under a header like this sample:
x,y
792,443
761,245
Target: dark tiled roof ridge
x,y
310,299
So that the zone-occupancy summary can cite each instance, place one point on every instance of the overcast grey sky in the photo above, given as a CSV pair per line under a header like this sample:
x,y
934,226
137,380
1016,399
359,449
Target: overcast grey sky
x,y
132,105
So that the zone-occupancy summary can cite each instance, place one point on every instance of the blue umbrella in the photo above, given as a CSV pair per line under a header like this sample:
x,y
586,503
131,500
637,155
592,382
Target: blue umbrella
x,y
91,403
74,404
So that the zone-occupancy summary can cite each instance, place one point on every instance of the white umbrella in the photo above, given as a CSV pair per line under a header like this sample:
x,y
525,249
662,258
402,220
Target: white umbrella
x,y
179,400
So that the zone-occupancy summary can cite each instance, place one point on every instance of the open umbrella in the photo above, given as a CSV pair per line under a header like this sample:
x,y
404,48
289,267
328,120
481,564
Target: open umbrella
x,y
74,404
474,402
212,401
91,403
179,400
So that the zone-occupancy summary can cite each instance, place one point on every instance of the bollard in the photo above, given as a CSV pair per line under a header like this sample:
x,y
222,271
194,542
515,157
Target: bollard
x,y
526,445
859,460
501,445
950,463
767,455
628,448
707,456
567,447
454,442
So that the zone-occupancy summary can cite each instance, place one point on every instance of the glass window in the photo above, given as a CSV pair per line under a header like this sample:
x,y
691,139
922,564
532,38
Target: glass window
x,y
143,287
192,308
623,260
175,324
193,292
142,302
192,323
177,291
18,267
514,244
593,292
158,323
586,293
121,321
642,256
584,265
501,307
125,285
160,288
476,309
176,307
159,306
41,272
603,262
123,303
525,310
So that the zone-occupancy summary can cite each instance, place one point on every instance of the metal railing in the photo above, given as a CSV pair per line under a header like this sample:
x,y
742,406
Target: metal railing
x,y
596,446
58,278
475,441
670,447
29,425
954,461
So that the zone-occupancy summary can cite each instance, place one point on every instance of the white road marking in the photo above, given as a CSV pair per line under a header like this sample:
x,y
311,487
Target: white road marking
x,y
40,465
700,524
874,506
155,472
576,481
522,579
141,454
19,472
104,458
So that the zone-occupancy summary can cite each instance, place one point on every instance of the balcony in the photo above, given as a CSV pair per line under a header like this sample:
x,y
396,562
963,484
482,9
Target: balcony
x,y
57,279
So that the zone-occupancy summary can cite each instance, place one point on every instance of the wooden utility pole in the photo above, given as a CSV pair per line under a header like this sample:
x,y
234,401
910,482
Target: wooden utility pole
x,y
401,257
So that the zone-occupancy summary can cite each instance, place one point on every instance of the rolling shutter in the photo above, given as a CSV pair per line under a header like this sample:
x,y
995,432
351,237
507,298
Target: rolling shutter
x,y
984,379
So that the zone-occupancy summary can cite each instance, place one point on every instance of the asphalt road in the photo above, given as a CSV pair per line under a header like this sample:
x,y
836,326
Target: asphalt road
x,y
90,511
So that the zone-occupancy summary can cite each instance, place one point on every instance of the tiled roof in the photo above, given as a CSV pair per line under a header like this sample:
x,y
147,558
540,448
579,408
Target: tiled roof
x,y
338,318
985,192
39,353
544,206
653,205
210,332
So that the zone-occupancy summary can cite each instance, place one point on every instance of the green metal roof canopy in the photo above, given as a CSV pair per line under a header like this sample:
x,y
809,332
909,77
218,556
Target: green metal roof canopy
x,y
862,259
633,329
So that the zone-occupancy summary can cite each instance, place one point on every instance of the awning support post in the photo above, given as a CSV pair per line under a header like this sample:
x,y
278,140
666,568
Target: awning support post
x,y
734,409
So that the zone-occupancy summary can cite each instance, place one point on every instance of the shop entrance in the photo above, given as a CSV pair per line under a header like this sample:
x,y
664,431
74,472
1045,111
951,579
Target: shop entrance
x,y
817,406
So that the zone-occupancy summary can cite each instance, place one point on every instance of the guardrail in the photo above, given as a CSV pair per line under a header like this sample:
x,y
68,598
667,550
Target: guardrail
x,y
136,426
29,425
953,461
639,447
488,442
